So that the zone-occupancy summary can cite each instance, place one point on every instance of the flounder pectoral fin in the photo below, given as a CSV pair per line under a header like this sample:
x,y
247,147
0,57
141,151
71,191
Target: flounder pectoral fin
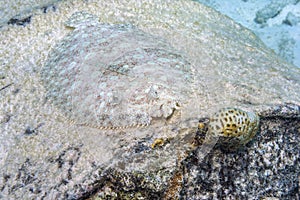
x,y
206,147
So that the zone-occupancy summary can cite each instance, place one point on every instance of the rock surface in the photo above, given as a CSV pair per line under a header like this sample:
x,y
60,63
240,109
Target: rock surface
x,y
266,168
43,155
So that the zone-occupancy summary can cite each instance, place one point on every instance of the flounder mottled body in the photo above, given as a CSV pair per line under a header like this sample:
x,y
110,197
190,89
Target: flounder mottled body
x,y
116,76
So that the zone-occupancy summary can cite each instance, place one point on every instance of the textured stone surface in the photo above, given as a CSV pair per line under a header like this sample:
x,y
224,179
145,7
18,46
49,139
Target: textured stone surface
x,y
44,155
268,167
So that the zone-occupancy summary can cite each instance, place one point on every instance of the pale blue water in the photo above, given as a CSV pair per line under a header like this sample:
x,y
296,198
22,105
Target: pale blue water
x,y
281,29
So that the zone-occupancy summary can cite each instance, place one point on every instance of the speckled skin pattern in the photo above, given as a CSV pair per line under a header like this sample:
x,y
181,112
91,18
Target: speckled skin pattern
x,y
233,127
116,76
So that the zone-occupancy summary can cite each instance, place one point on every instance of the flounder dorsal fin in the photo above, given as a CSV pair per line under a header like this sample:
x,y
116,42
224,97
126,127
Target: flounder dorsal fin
x,y
80,18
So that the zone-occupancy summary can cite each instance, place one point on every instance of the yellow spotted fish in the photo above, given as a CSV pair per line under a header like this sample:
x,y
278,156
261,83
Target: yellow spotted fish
x,y
231,128
234,123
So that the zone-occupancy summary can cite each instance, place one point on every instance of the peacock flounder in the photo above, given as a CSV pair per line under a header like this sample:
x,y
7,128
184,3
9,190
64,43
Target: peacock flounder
x,y
117,77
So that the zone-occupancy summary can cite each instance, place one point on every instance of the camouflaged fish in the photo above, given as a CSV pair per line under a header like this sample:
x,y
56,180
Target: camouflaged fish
x,y
117,76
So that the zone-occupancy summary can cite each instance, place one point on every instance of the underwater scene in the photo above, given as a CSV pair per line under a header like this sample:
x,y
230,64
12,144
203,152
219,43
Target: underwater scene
x,y
149,99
